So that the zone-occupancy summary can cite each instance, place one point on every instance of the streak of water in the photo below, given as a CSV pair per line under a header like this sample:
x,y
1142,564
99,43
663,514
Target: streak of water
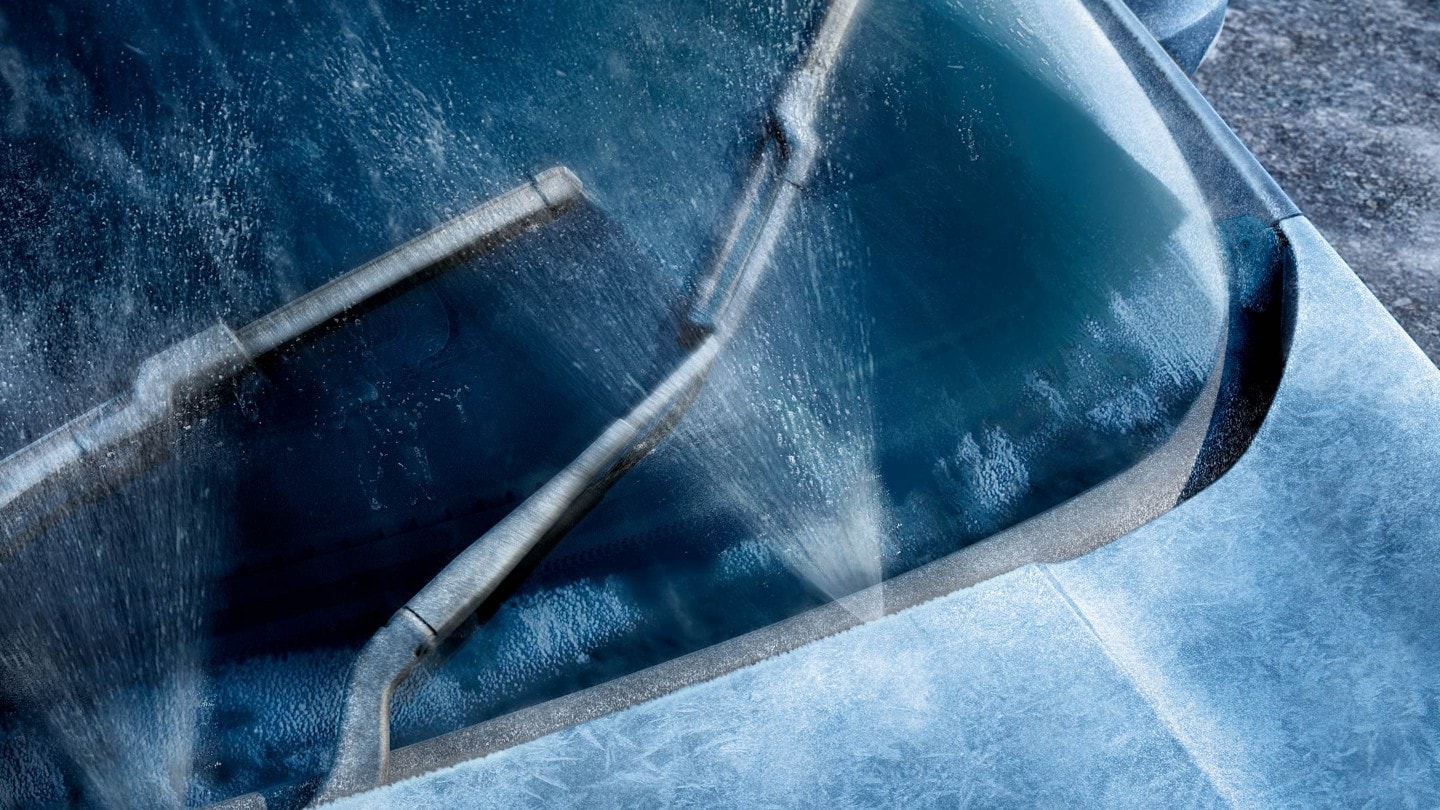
x,y
103,637
787,429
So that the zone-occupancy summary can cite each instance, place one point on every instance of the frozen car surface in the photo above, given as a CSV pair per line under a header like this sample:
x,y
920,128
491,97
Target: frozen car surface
x,y
1029,298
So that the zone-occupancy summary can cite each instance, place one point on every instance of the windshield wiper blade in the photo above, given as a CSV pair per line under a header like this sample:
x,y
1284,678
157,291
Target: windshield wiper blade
x,y
780,170
121,438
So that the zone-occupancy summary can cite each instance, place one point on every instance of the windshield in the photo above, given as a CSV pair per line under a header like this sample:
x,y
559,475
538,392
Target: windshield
x,y
999,288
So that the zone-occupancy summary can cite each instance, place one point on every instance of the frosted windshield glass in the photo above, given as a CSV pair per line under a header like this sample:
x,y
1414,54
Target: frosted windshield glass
x,y
999,288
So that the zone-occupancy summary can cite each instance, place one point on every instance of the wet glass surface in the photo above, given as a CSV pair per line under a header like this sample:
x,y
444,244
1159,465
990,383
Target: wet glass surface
x,y
1000,289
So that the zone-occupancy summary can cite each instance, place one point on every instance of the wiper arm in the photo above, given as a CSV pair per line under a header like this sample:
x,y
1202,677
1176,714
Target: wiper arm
x,y
118,439
780,169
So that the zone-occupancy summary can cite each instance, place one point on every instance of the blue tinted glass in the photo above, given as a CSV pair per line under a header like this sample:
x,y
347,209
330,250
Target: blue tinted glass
x,y
1000,288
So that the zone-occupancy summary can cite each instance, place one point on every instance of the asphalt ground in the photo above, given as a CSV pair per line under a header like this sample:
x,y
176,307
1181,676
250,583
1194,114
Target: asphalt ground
x,y
1340,100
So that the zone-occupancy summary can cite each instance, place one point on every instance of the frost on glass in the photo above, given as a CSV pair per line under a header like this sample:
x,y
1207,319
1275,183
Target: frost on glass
x,y
1000,289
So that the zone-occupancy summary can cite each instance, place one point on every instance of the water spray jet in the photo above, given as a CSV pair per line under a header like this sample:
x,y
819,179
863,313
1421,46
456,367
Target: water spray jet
x,y
779,171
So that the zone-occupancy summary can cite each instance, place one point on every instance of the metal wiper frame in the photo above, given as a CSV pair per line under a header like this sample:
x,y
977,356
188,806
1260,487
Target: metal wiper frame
x,y
124,436
781,168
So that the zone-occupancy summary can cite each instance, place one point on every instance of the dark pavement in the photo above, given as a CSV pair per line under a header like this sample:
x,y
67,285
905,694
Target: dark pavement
x,y
1340,99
